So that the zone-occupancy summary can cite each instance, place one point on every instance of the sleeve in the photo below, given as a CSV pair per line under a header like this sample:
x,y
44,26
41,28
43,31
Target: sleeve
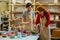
x,y
37,19
33,16
48,19
32,13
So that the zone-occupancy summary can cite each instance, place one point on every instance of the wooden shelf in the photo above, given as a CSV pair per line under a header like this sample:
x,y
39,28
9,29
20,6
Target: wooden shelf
x,y
48,4
5,21
17,12
37,4
5,25
2,0
34,11
55,20
14,19
19,4
55,37
16,4
55,12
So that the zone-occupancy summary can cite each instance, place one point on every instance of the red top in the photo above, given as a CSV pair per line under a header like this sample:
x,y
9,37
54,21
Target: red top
x,y
39,15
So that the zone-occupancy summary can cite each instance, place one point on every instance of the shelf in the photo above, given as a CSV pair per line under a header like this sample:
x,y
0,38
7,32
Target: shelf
x,y
5,21
5,17
19,4
49,11
2,0
36,4
55,20
48,4
16,4
17,12
15,19
54,12
24,22
55,37
5,26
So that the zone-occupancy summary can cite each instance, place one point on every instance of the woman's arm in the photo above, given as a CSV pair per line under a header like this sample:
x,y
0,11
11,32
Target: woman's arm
x,y
48,19
37,19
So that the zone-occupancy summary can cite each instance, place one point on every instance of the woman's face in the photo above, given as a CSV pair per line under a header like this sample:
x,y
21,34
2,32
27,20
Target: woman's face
x,y
39,11
29,8
42,12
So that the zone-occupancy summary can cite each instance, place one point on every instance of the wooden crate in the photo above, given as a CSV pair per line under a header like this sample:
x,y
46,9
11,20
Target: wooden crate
x,y
56,33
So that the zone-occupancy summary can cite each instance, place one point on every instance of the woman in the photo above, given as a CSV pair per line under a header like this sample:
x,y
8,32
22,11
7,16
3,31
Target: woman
x,y
43,20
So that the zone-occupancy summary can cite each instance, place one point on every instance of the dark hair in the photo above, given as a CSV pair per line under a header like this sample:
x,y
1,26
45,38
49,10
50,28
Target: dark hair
x,y
29,4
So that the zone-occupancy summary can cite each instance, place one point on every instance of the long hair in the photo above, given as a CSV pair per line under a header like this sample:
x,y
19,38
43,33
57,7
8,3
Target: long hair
x,y
41,8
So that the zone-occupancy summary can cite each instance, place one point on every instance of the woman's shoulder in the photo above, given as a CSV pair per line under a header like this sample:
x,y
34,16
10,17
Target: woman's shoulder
x,y
47,12
39,14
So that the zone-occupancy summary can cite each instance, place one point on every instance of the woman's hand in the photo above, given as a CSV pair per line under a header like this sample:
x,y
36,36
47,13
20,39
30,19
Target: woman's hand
x,y
26,22
34,25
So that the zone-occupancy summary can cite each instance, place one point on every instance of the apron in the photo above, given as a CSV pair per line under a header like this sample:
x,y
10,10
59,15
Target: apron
x,y
29,19
44,34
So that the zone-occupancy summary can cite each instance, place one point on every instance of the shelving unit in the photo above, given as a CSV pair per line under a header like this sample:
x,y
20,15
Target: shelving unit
x,y
3,14
51,5
16,10
5,23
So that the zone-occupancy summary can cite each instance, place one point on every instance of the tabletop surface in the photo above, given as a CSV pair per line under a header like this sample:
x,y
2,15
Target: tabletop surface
x,y
31,37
